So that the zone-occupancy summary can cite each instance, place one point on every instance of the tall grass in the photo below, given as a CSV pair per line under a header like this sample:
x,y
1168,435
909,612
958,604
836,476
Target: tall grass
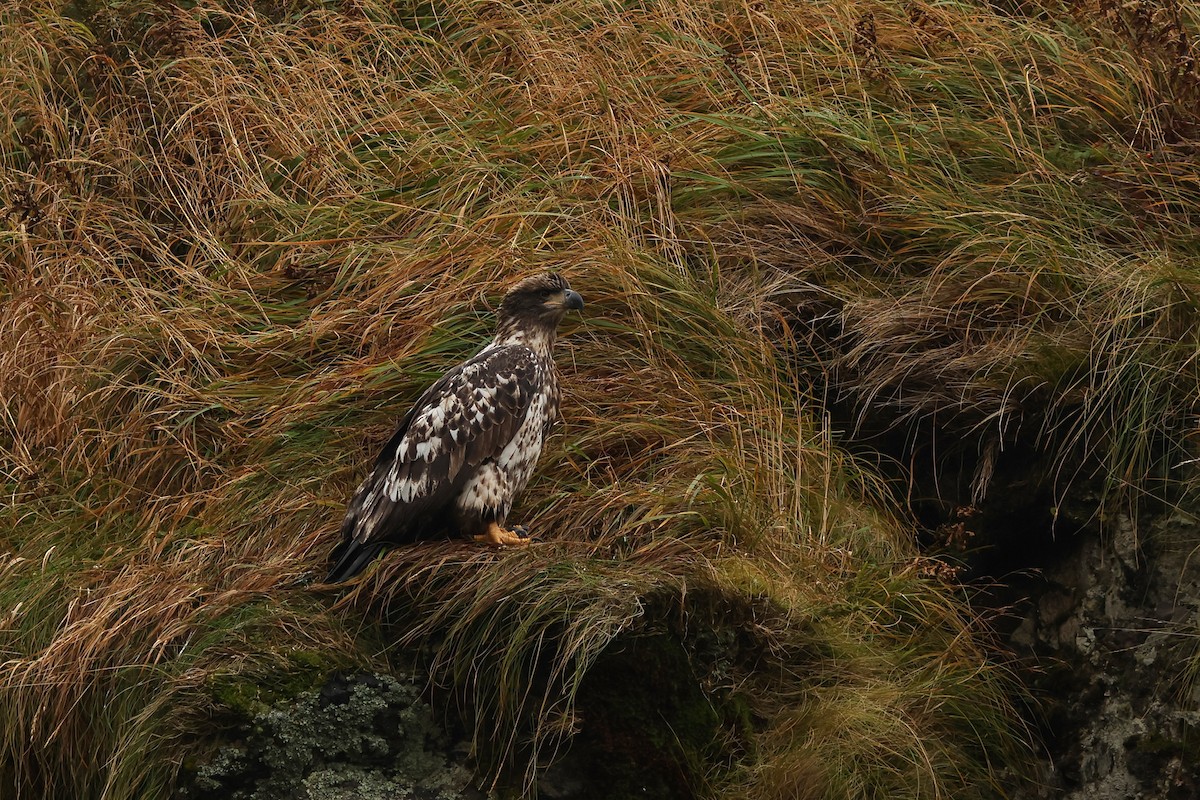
x,y
239,238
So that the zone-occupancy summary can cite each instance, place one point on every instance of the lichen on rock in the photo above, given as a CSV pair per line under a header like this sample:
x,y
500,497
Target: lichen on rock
x,y
360,737
1109,634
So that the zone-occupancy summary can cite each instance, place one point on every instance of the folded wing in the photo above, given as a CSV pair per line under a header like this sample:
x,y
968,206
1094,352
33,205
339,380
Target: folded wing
x,y
461,421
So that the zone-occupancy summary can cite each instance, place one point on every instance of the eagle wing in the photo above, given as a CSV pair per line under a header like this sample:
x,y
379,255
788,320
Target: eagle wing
x,y
466,417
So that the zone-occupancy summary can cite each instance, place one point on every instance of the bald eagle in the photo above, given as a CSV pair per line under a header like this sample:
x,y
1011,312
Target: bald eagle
x,y
468,446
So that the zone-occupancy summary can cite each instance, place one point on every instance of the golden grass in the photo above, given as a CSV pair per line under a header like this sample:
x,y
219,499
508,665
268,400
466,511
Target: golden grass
x,y
240,238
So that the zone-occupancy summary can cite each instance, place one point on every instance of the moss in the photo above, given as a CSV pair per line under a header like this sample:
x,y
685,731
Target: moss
x,y
1183,743
648,728
361,737
246,695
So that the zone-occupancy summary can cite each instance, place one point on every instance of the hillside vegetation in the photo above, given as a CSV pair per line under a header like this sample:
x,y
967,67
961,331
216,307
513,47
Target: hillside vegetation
x,y
239,238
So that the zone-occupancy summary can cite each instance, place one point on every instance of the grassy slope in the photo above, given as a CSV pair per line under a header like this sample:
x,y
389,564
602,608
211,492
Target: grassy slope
x,y
237,242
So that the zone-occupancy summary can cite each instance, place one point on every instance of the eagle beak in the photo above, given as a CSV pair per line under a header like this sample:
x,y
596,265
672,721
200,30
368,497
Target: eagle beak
x,y
572,300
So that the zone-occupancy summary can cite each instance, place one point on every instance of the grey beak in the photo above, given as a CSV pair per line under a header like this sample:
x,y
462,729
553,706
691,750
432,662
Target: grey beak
x,y
572,300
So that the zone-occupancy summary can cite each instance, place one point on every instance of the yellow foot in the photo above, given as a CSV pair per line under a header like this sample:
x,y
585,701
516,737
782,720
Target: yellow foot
x,y
498,537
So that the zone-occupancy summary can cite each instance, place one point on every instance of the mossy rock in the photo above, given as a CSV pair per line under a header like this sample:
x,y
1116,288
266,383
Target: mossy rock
x,y
244,696
360,737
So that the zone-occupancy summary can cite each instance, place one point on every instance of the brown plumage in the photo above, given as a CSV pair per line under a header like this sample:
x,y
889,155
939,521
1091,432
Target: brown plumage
x,y
468,446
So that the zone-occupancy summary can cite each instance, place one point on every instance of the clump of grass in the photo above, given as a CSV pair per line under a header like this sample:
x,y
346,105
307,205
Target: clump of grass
x,y
993,243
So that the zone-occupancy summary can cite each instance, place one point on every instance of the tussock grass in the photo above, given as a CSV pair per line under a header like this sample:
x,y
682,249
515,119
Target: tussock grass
x,y
997,213
239,238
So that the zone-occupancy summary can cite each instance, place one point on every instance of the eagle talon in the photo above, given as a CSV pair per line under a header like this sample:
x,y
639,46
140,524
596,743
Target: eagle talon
x,y
499,537
527,535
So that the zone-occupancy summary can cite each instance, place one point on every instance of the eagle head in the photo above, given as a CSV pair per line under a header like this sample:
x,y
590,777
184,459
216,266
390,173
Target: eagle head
x,y
539,301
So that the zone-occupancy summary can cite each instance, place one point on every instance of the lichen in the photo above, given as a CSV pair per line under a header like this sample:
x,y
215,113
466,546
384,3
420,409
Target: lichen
x,y
360,737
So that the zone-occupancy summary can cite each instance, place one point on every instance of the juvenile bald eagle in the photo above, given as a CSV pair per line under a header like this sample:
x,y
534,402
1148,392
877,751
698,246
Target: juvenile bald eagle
x,y
468,446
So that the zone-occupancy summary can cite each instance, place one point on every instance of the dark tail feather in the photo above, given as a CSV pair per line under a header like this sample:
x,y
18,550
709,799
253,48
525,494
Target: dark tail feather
x,y
350,558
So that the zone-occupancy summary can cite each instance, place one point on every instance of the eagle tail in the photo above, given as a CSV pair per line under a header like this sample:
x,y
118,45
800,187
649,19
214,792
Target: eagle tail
x,y
350,558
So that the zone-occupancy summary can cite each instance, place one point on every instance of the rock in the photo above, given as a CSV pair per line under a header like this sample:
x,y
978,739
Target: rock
x,y
1109,642
360,737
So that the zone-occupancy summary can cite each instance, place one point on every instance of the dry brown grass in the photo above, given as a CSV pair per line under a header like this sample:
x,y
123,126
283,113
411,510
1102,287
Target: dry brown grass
x,y
239,238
